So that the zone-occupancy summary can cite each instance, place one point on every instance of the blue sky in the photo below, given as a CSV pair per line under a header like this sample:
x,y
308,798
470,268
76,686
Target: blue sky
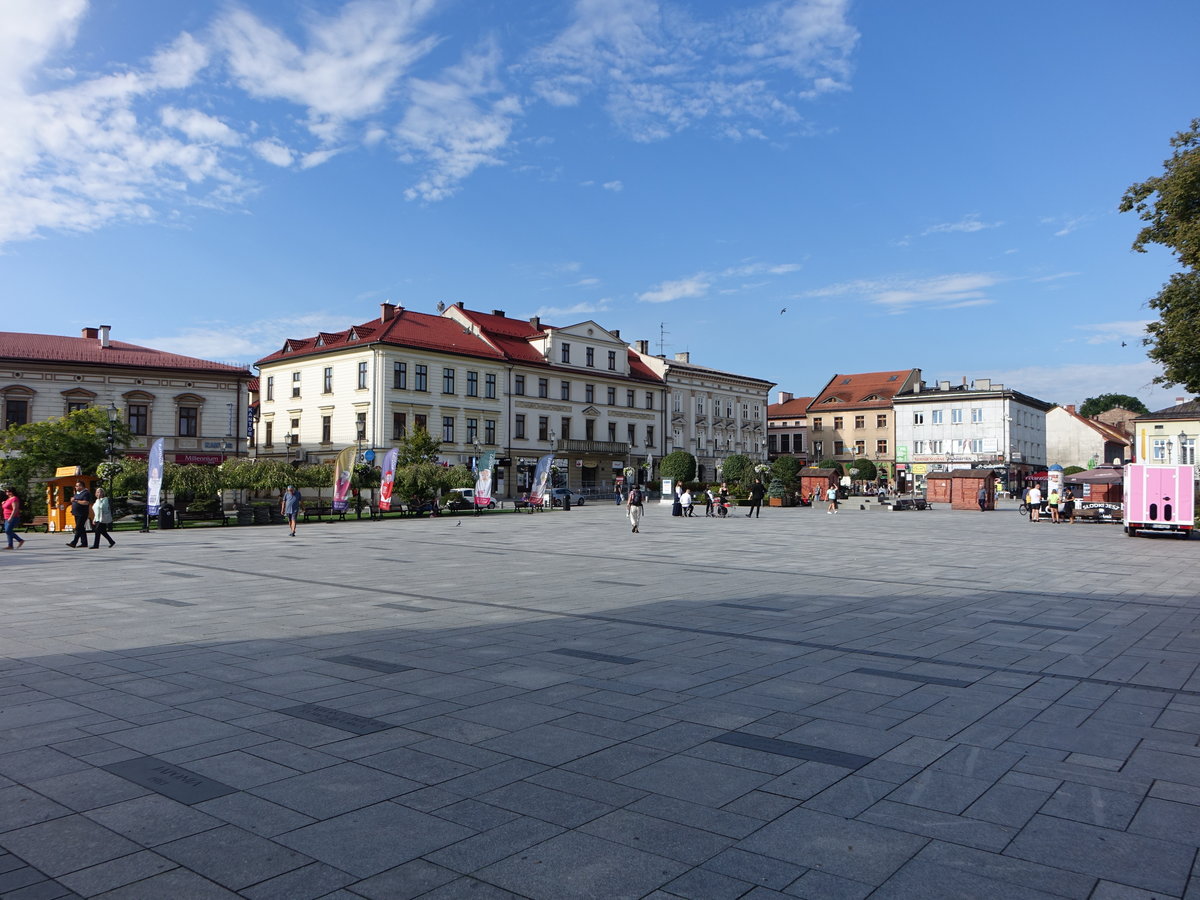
x,y
928,184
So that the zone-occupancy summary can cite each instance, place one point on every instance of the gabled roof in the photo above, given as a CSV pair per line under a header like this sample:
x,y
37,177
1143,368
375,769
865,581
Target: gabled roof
x,y
19,347
405,329
1108,432
1188,410
796,408
865,390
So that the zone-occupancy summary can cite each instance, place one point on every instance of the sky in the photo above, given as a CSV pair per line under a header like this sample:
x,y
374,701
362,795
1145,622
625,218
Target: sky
x,y
785,189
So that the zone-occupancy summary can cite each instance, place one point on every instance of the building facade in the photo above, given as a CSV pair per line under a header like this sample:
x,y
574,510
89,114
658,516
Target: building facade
x,y
712,414
977,425
198,407
1168,436
851,418
787,428
1074,440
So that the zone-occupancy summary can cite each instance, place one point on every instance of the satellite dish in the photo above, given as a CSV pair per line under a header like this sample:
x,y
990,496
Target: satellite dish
x,y
441,307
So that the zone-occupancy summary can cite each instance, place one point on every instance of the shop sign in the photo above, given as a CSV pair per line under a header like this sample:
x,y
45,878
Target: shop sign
x,y
199,459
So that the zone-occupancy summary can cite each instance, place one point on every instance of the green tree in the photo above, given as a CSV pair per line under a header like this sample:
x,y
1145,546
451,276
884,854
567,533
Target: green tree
x,y
1093,406
738,469
35,450
1170,205
830,464
786,469
679,466
418,447
776,489
866,470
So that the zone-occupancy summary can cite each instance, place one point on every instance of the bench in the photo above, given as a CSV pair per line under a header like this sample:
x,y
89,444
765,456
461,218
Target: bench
x,y
909,503
186,516
38,523
339,514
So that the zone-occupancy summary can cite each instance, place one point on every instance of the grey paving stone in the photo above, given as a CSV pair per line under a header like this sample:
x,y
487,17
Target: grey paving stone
x,y
556,807
580,866
719,821
944,826
176,883
695,780
254,814
1168,820
20,807
704,884
67,845
335,790
493,845
305,883
817,885
405,882
548,744
152,820
940,790
416,766
930,881
1007,804
654,835
232,857
1092,805
1007,870
117,873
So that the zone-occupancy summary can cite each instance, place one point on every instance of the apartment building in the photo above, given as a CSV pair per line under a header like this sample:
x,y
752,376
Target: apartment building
x,y
851,418
1168,436
787,428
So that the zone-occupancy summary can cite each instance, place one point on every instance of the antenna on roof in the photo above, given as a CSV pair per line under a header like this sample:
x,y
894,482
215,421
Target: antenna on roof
x,y
662,338
441,307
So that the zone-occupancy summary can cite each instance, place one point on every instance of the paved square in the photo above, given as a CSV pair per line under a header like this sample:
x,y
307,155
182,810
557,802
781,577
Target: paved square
x,y
918,704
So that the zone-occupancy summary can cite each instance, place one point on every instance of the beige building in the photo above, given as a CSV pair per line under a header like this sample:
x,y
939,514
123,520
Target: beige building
x,y
851,418
1168,436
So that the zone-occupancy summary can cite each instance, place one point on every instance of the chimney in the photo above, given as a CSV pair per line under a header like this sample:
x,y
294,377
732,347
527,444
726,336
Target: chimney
x,y
964,381
983,384
616,334
684,357
643,347
1070,407
460,305
917,385
498,312
1179,399
387,312
785,396
92,333
943,385
104,330
536,323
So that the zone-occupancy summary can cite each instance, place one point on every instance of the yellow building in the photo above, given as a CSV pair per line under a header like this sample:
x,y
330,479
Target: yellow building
x,y
1168,437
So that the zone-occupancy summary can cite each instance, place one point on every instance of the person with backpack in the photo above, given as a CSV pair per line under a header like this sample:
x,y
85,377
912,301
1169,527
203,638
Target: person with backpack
x,y
634,507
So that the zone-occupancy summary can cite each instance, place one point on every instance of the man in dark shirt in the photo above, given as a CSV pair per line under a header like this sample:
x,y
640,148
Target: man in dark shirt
x,y
81,504
756,497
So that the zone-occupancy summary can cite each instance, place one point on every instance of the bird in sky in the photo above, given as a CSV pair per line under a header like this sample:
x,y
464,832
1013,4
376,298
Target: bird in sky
x,y
782,311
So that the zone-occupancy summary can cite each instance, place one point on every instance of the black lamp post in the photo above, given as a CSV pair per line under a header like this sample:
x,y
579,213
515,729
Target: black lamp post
x,y
111,450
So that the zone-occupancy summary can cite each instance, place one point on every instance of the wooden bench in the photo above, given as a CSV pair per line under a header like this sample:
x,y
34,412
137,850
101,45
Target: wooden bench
x,y
39,523
339,515
188,516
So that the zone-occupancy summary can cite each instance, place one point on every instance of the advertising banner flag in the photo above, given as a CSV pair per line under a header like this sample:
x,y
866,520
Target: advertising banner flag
x,y
343,470
541,478
154,468
388,479
483,479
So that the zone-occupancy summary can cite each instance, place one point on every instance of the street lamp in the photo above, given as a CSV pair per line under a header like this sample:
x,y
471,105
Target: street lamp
x,y
111,451
287,446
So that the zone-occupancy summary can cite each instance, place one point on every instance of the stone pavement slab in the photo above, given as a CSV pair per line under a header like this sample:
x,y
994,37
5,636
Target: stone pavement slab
x,y
870,705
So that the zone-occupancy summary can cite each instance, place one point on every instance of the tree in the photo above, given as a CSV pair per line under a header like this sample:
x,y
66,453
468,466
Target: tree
x,y
830,464
35,450
738,469
866,470
1170,204
786,468
418,447
679,466
1093,406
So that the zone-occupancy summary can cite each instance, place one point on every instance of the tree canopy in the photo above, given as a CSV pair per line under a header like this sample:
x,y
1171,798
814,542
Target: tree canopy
x,y
678,466
786,468
737,469
79,438
1170,205
1093,406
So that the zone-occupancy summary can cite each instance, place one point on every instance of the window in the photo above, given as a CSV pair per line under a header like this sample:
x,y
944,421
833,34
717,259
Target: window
x,y
326,429
881,421
519,427
472,430
362,376
649,435
591,357
519,385
421,378
632,431
447,381
139,418
935,417
860,447
489,431
1187,452
189,421
838,423
839,448
676,403
268,432
612,360
629,399
745,411
295,384
860,421
564,432
270,387
589,429
699,406
16,412
818,446
649,399
566,353
1158,450
489,386
472,384
543,428
918,418
612,432
976,414
448,429
543,387
918,448
589,393
612,396
565,390
400,376
327,380
935,446
360,426
421,422
976,445
881,446
729,409
956,417
816,424
399,426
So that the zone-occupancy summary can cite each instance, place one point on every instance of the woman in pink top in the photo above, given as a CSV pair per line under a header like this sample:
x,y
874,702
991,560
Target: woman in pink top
x,y
12,519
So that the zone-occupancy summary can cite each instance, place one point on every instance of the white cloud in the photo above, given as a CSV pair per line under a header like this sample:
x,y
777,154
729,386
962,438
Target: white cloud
x,y
585,282
1130,332
615,186
274,152
572,313
1075,382
659,70
1065,224
1057,276
966,225
241,342
684,288
199,126
899,295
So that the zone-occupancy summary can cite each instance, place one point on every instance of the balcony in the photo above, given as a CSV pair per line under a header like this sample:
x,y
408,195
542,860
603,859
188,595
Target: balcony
x,y
607,448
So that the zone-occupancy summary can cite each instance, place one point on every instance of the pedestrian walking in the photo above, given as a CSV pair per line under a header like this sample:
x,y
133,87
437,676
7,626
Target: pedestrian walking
x,y
831,495
289,506
12,519
633,506
1068,506
619,498
756,497
102,519
708,503
1033,500
982,497
81,508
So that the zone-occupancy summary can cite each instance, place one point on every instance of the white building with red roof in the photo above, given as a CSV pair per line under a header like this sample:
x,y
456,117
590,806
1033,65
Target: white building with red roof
x,y
197,406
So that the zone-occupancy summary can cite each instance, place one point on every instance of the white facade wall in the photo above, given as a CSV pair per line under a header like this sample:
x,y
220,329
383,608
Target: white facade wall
x,y
953,430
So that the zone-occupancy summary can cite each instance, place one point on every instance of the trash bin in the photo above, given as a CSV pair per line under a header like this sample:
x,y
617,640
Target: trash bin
x,y
567,502
166,516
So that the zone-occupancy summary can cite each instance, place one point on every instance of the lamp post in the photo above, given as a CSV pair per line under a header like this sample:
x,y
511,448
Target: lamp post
x,y
111,450
287,446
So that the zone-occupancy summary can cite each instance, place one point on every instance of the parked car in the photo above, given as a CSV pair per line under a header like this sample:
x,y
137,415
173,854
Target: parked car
x,y
557,495
464,498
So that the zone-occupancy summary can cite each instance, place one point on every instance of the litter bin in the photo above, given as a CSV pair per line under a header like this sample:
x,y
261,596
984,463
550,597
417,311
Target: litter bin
x,y
566,502
166,516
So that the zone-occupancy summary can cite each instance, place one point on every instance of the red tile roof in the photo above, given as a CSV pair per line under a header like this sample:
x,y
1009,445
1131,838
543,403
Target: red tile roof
x,y
852,391
405,329
796,408
18,347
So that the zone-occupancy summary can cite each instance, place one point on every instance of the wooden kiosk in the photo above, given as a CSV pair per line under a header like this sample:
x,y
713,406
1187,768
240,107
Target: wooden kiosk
x,y
59,491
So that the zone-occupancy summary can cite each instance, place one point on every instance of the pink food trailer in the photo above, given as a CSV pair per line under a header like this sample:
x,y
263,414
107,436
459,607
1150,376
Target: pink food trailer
x,y
1159,498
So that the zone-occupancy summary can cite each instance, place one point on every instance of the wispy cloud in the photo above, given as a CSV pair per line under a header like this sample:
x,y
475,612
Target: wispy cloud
x,y
616,186
572,313
1065,224
1074,383
1057,276
1130,332
243,343
696,286
966,225
899,295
